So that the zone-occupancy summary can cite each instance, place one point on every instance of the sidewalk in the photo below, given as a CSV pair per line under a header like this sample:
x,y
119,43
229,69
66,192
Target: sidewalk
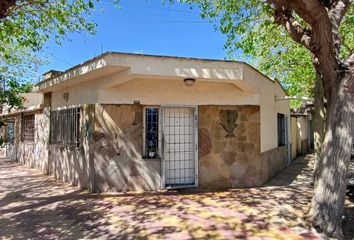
x,y
35,206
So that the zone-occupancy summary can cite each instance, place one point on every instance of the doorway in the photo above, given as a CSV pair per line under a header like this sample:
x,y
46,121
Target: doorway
x,y
180,148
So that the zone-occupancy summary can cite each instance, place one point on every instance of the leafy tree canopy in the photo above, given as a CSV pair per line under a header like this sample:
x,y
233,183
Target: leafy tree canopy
x,y
248,25
25,25
29,24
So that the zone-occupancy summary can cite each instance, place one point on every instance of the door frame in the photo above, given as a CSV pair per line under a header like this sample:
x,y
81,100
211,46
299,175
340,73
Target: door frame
x,y
196,160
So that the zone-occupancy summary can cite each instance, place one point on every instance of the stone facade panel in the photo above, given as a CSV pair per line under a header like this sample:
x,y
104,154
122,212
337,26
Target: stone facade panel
x,y
234,159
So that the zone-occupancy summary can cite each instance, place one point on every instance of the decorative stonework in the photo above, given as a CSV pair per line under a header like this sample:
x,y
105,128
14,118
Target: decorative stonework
x,y
204,142
227,121
229,146
117,147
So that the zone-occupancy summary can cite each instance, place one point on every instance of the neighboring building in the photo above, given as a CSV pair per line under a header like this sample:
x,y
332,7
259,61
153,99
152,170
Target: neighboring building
x,y
122,122
302,135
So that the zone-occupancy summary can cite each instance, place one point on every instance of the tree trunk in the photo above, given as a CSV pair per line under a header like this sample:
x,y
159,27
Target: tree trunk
x,y
319,123
329,195
5,5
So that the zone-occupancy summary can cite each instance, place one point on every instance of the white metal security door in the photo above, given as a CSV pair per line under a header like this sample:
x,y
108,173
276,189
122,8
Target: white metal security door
x,y
179,146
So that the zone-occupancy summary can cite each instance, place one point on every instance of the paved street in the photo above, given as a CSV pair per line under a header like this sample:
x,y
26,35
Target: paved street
x,y
35,206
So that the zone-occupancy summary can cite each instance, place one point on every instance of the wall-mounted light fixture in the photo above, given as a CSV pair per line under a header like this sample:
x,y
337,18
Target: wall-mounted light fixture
x,y
189,82
66,96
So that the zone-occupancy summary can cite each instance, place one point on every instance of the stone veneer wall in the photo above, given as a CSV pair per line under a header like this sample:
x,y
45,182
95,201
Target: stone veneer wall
x,y
34,154
117,145
70,163
13,148
110,154
273,162
229,146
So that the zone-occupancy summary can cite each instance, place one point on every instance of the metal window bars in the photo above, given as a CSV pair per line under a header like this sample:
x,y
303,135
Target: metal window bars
x,y
281,130
65,127
10,130
152,132
28,128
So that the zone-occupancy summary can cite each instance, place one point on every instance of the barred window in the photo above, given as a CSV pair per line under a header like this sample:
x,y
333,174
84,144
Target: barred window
x,y
65,127
28,128
281,130
10,130
151,132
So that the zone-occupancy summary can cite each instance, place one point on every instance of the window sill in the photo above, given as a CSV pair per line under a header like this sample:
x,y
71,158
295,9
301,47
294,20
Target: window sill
x,y
151,159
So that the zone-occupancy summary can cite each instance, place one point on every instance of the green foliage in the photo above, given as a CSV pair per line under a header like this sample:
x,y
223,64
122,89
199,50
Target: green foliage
x,y
249,26
10,94
26,28
32,23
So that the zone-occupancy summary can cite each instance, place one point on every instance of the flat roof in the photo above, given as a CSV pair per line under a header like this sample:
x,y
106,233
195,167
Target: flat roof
x,y
155,56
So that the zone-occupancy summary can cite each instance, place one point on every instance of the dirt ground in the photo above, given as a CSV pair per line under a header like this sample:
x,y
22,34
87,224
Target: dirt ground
x,y
35,206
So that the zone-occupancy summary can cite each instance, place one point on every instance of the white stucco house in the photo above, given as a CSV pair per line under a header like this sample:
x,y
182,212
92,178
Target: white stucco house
x,y
121,122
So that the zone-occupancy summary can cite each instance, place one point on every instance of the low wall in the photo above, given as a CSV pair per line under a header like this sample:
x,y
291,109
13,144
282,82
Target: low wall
x,y
69,164
273,162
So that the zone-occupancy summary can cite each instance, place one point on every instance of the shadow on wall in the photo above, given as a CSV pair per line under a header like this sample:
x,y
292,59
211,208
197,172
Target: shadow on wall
x,y
273,162
117,147
69,165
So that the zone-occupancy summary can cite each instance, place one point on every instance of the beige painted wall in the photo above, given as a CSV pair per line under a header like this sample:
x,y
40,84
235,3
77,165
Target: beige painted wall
x,y
125,78
32,99
294,137
172,91
299,135
160,92
155,92
269,107
302,127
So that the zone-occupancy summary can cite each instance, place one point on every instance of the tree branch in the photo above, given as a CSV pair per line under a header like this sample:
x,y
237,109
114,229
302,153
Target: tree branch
x,y
5,5
293,27
9,7
309,10
296,31
338,10
350,60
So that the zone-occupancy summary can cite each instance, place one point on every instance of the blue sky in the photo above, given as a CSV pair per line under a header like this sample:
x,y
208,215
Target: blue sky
x,y
140,26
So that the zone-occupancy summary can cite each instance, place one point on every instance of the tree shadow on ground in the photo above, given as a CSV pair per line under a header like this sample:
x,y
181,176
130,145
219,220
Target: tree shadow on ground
x,y
41,208
34,206
270,212
68,219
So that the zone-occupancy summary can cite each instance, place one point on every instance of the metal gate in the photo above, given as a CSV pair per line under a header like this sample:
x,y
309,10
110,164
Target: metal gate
x,y
179,127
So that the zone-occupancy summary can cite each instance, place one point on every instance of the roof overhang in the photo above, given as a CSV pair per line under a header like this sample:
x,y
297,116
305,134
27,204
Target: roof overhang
x,y
122,67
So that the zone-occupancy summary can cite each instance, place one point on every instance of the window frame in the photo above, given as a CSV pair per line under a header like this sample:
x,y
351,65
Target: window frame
x,y
28,131
281,129
145,154
10,139
65,125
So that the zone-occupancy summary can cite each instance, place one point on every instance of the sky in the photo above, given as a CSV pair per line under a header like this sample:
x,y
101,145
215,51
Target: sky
x,y
139,26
